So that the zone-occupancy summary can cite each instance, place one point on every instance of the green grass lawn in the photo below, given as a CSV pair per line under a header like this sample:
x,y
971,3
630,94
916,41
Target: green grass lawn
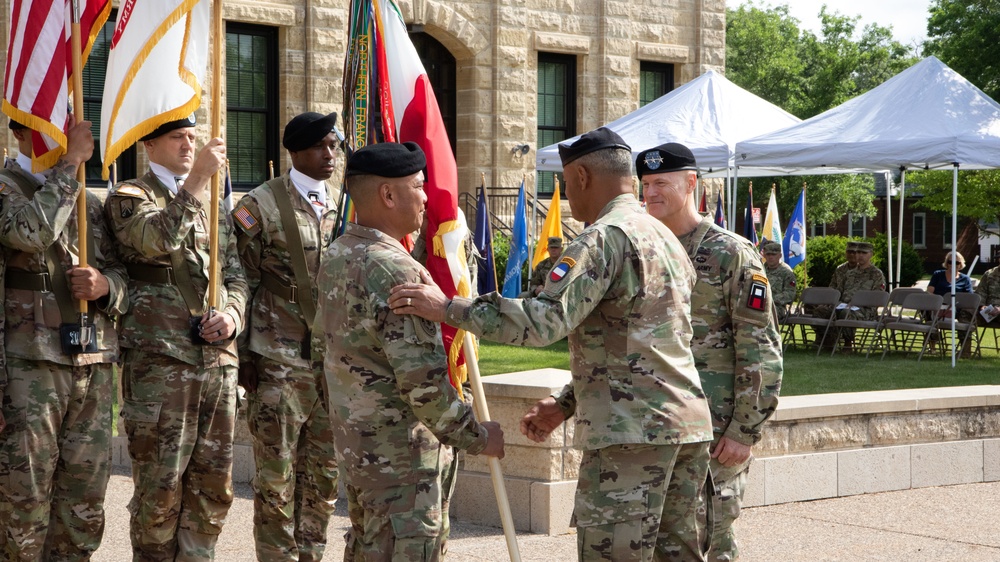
x,y
804,372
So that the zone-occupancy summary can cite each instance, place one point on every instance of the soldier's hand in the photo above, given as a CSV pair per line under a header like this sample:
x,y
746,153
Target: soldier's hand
x,y
247,377
217,326
211,159
422,299
87,283
79,143
542,419
731,453
494,440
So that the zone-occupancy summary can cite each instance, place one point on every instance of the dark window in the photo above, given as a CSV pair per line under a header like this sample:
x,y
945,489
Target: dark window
x,y
556,105
655,79
251,103
440,66
93,93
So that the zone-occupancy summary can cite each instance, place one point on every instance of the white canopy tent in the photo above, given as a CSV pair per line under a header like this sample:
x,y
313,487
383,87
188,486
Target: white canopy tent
x,y
926,117
708,115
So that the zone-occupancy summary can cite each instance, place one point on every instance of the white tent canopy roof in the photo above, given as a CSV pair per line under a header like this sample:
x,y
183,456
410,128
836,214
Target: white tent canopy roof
x,y
927,116
708,115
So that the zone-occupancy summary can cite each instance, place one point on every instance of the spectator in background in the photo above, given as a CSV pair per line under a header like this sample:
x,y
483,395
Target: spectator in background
x,y
942,279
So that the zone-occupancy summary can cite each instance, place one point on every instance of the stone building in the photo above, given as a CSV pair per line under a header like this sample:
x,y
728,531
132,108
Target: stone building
x,y
511,75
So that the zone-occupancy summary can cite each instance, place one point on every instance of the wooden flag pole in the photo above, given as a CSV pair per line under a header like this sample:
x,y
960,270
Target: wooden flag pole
x,y
81,173
483,414
213,251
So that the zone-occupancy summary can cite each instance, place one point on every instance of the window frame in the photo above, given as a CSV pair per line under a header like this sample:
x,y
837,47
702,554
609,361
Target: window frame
x,y
946,231
922,245
666,72
814,230
270,109
851,228
545,184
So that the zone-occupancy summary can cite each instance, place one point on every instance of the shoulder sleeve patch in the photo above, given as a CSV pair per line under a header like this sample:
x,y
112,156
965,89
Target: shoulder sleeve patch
x,y
561,269
130,191
754,304
246,220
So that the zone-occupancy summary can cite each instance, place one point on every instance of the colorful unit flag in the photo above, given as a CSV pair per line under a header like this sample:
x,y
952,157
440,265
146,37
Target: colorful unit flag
x,y
156,68
794,244
227,191
38,75
551,227
518,250
772,223
703,206
720,215
749,232
388,97
487,275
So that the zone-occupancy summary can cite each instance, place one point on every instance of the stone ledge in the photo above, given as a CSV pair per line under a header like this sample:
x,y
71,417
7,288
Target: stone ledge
x,y
657,52
561,43
885,401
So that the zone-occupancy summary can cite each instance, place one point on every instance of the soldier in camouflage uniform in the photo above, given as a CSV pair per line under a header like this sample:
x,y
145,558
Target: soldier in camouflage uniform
x,y
621,291
852,262
989,290
541,271
864,277
55,452
736,345
395,413
295,484
780,277
179,377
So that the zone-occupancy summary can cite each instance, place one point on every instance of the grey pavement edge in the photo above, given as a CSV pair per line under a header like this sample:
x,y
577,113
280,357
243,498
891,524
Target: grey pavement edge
x,y
928,524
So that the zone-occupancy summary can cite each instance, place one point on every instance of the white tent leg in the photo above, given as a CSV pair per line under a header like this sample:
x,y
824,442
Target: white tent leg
x,y
954,254
888,230
899,245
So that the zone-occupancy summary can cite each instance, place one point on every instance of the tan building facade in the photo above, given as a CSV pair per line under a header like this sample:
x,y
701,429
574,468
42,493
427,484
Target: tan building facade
x,y
285,57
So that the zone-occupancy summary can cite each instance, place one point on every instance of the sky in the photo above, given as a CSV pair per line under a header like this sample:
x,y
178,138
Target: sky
x,y
908,18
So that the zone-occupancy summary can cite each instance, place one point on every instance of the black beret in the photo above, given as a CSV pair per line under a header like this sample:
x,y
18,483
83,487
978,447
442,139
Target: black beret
x,y
307,129
16,126
670,157
170,126
598,139
387,159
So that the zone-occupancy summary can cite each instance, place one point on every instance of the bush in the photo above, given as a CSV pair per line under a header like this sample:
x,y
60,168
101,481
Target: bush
x,y
823,255
911,268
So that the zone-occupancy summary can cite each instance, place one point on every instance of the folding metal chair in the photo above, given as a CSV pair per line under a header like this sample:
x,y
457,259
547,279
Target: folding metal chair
x,y
966,311
869,330
803,317
915,320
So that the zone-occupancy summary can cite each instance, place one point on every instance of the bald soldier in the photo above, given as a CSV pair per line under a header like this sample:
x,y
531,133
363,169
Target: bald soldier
x,y
282,228
179,376
780,277
396,416
736,345
621,291
56,393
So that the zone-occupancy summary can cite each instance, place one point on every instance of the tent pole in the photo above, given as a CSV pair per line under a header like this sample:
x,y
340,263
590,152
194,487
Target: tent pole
x,y
954,255
732,208
899,239
888,230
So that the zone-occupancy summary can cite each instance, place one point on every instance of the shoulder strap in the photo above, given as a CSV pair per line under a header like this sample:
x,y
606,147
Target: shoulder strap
x,y
298,254
697,237
195,305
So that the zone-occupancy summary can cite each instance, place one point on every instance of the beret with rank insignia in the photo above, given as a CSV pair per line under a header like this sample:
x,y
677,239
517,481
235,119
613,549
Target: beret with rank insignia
x,y
669,157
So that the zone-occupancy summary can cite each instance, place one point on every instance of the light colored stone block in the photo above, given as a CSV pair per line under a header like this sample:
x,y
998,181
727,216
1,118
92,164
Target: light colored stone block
x,y
991,460
119,452
474,500
552,506
244,466
865,471
753,495
826,434
941,464
525,462
800,478
900,429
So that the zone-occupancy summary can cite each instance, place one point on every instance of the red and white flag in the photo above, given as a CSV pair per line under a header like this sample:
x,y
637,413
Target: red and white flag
x,y
418,119
38,75
156,68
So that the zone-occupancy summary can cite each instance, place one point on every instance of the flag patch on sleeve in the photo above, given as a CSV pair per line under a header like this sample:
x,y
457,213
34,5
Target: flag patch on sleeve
x,y
758,293
245,218
560,270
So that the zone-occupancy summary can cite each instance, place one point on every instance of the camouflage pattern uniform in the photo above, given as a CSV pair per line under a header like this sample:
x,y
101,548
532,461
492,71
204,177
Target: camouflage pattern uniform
x,y
179,397
295,484
395,414
539,274
858,279
989,290
621,293
737,350
838,274
55,454
782,281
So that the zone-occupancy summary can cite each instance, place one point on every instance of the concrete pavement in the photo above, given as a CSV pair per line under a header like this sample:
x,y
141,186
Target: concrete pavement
x,y
928,524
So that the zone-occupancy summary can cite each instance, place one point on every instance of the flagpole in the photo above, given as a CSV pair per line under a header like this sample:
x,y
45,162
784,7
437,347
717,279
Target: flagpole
x,y
805,236
213,251
270,169
81,173
483,414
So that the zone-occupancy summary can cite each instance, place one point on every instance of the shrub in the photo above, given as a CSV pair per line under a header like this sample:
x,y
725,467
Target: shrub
x,y
911,268
823,255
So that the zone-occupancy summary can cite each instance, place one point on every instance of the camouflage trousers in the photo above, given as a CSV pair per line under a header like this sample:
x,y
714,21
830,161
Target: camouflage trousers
x,y
725,494
642,502
180,420
55,460
295,484
405,523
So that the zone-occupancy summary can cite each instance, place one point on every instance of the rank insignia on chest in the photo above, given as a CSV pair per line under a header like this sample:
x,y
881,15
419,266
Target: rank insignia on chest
x,y
560,271
245,218
758,293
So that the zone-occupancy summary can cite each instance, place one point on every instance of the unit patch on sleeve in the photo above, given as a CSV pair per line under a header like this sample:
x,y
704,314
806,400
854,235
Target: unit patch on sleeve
x,y
560,270
245,218
758,293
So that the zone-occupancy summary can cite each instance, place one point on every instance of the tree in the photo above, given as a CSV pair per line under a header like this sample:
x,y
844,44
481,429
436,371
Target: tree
x,y
963,34
979,194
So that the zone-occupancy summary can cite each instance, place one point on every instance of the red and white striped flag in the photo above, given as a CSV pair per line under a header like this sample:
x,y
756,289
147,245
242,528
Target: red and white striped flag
x,y
156,68
38,75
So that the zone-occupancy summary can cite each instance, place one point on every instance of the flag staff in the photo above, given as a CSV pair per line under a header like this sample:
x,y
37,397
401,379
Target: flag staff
x,y
213,251
81,173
